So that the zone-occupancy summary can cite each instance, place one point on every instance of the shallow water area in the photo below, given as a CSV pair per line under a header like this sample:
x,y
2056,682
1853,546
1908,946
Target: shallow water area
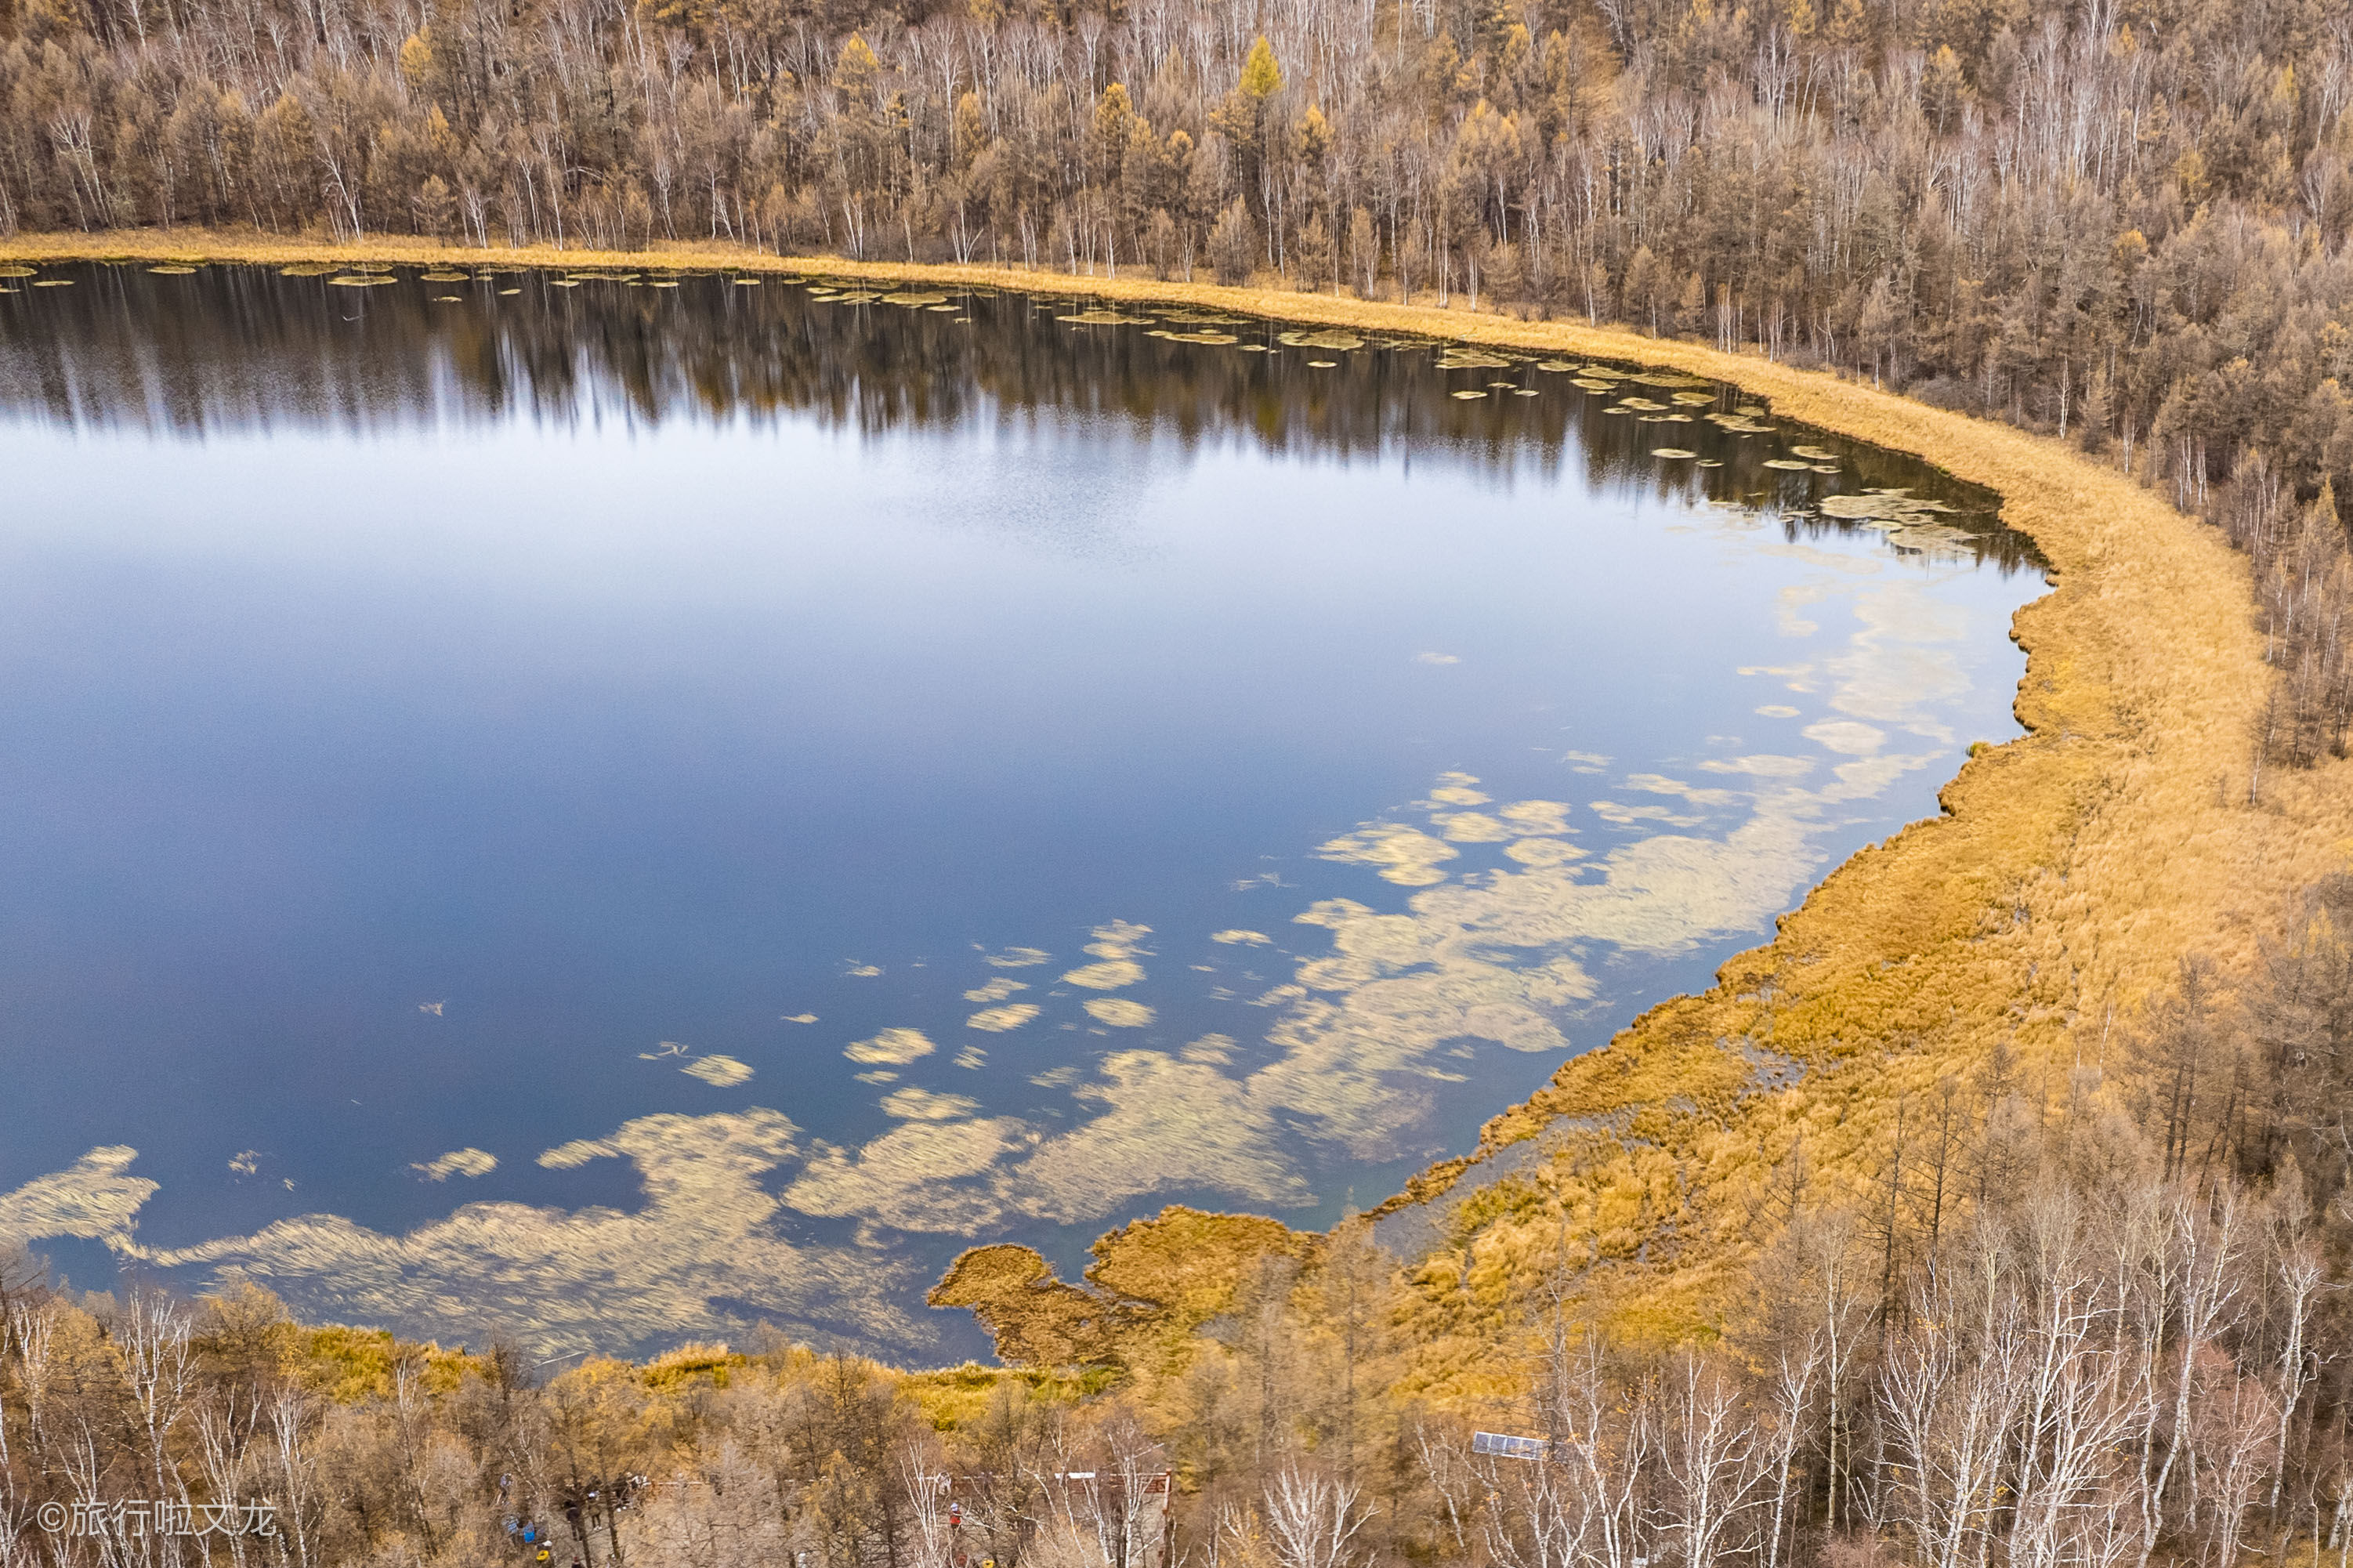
x,y
618,807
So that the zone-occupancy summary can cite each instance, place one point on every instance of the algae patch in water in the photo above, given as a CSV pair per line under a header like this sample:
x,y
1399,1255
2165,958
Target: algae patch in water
x,y
891,1048
719,1071
457,1162
1109,975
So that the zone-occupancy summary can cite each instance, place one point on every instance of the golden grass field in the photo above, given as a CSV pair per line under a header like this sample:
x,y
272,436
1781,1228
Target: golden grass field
x,y
2072,870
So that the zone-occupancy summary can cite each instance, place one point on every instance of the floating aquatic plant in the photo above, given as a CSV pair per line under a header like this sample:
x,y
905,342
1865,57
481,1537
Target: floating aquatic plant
x,y
1109,975
891,1048
1673,452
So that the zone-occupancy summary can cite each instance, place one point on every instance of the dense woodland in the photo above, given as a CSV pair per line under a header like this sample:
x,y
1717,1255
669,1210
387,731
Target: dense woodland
x,y
2082,1319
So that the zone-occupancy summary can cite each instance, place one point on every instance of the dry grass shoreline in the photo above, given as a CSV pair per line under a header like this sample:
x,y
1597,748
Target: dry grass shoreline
x,y
2072,868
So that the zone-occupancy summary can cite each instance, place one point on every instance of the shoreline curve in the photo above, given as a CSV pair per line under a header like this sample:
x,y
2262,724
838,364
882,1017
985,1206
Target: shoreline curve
x,y
2070,869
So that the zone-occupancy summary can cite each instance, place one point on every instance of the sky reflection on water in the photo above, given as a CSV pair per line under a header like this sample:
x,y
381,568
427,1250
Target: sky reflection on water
x,y
555,810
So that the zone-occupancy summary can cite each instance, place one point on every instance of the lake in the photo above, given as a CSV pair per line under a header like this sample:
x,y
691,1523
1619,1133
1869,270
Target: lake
x,y
616,809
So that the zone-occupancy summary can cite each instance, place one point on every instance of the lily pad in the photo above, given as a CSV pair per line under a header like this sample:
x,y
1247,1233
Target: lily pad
x,y
53,282
1794,465
443,275
15,270
361,280
1084,318
1468,393
914,297
171,270
1673,452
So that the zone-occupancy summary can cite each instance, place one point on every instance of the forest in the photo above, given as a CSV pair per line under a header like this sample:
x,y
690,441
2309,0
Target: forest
x,y
2094,1318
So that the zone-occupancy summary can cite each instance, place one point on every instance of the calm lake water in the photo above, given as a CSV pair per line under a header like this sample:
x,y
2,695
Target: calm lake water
x,y
620,812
